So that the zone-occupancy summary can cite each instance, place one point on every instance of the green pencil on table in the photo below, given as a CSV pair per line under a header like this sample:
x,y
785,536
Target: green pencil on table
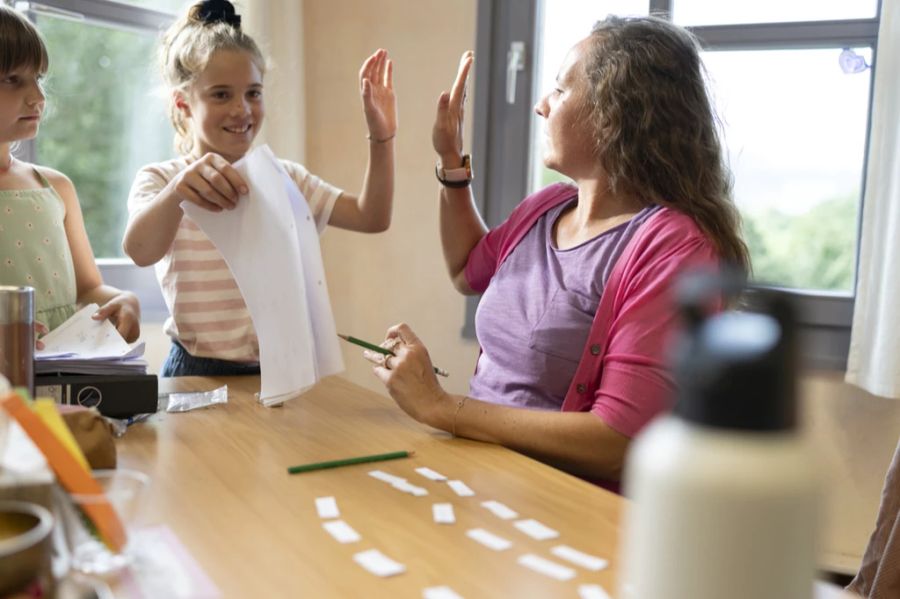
x,y
383,351
380,457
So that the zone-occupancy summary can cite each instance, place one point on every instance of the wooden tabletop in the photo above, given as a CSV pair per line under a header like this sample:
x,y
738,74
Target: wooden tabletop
x,y
219,481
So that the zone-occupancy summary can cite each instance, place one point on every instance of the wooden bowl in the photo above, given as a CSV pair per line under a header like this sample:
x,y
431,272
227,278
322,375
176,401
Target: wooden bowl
x,y
24,544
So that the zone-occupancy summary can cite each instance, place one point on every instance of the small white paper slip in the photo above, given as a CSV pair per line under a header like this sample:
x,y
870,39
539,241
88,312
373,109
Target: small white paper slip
x,y
378,563
592,591
546,567
460,488
431,475
443,513
489,540
536,530
499,510
385,477
590,562
327,507
410,488
440,593
341,531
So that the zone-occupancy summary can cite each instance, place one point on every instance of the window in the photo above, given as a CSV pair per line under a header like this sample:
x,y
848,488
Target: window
x,y
105,117
792,83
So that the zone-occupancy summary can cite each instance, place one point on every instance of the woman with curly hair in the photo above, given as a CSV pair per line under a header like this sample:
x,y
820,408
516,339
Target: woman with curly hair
x,y
577,306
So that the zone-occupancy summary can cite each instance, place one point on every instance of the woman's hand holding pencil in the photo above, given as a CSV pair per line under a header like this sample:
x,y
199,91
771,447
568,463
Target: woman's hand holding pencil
x,y
383,351
405,368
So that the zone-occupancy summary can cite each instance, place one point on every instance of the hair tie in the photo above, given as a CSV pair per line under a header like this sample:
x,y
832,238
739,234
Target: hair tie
x,y
218,11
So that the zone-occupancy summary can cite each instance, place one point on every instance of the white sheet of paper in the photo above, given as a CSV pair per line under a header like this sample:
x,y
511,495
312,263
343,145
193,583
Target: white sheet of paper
x,y
378,563
341,531
387,478
327,507
443,513
592,591
271,245
500,510
589,562
536,530
408,487
460,488
86,338
489,540
546,567
431,474
440,593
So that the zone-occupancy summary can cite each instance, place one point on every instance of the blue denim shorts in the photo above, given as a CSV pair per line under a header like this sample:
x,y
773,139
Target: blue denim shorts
x,y
180,363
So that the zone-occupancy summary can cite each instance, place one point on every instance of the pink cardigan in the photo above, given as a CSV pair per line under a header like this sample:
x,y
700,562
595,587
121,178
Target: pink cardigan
x,y
622,376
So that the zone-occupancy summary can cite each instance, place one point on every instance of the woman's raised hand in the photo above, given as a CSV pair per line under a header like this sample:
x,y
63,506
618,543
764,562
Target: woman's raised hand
x,y
447,134
210,182
376,87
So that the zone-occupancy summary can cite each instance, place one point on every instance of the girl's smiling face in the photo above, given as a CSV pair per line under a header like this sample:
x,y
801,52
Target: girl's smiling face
x,y
224,106
21,104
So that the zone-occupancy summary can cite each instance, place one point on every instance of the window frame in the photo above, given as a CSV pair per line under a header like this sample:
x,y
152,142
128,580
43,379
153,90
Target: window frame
x,y
119,272
824,317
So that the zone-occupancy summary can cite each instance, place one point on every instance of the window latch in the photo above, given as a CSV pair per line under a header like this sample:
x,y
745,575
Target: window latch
x,y
515,62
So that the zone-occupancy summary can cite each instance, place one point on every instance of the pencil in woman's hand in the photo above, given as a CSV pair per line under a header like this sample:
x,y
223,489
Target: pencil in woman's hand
x,y
384,351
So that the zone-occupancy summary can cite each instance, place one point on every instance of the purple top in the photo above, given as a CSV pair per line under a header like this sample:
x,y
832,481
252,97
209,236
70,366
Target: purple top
x,y
534,318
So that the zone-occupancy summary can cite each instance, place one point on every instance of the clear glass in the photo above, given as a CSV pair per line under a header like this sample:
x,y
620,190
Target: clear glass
x,y
717,12
105,119
564,23
126,491
795,130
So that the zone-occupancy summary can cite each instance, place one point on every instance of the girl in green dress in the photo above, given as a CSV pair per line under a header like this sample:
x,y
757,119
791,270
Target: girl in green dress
x,y
43,242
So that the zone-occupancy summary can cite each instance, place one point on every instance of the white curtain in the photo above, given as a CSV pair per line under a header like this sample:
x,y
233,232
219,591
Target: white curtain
x,y
874,360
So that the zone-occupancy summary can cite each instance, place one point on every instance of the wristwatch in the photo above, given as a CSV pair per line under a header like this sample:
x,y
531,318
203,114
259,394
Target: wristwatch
x,y
455,177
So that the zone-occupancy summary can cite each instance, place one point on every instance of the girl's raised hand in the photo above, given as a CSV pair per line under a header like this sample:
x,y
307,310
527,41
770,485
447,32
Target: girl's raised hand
x,y
376,86
210,182
447,134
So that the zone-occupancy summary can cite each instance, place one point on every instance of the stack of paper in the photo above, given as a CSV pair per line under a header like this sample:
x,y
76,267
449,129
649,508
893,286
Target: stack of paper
x,y
271,245
82,345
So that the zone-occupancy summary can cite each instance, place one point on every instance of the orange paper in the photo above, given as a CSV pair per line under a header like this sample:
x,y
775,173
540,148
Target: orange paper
x,y
73,476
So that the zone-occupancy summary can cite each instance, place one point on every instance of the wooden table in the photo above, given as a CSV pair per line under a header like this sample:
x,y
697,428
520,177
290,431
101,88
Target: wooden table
x,y
219,481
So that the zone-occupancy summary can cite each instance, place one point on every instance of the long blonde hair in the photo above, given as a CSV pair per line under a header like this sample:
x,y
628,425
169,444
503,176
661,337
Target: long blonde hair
x,y
188,46
656,131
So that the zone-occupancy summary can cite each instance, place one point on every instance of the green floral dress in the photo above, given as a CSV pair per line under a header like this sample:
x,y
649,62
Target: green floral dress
x,y
34,250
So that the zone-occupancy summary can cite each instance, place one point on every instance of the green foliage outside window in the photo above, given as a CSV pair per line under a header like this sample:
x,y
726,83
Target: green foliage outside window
x,y
103,120
812,250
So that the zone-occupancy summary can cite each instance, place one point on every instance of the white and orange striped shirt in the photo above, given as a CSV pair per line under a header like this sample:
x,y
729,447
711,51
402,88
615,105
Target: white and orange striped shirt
x,y
208,316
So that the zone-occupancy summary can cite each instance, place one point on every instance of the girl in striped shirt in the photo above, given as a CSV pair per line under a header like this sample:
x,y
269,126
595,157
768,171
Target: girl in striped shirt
x,y
215,71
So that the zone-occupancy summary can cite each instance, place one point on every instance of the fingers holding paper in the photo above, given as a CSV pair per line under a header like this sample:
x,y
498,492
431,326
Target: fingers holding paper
x,y
409,375
124,312
211,182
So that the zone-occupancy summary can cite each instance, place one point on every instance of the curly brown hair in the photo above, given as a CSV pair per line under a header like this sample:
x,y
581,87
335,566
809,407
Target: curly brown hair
x,y
656,131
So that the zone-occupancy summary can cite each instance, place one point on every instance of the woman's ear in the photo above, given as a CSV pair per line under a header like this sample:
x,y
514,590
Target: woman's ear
x,y
181,103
